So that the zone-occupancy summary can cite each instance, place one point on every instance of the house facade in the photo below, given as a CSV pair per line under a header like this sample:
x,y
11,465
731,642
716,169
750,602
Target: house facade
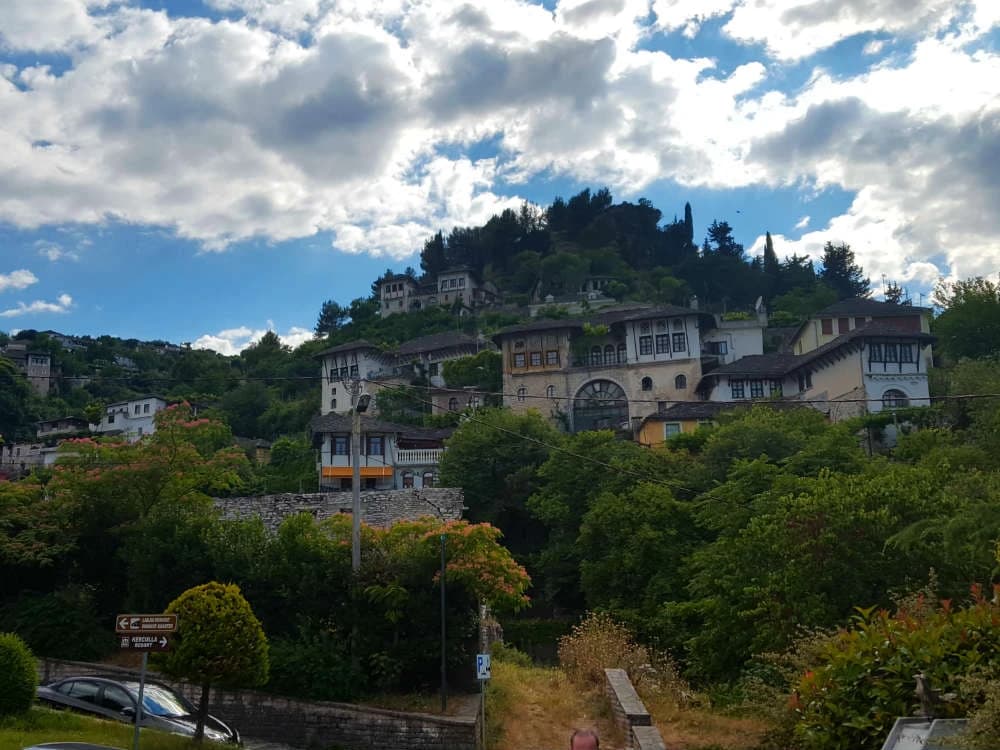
x,y
36,366
392,457
132,419
340,365
400,293
604,373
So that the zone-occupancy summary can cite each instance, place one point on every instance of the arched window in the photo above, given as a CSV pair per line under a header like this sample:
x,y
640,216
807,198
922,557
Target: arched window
x,y
647,384
407,480
895,399
550,391
453,404
681,382
622,354
595,355
522,394
600,405
428,479
609,355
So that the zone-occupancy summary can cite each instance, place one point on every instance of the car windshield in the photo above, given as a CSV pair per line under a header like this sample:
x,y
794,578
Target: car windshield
x,y
160,701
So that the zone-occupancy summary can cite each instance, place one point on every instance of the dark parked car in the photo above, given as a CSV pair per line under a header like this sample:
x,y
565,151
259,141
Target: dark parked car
x,y
116,699
69,746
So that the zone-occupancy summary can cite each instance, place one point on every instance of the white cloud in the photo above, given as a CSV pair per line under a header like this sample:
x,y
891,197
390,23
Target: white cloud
x,y
49,25
802,223
62,304
232,341
20,279
54,251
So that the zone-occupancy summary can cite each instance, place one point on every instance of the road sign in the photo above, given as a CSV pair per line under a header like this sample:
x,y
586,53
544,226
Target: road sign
x,y
482,666
146,624
143,642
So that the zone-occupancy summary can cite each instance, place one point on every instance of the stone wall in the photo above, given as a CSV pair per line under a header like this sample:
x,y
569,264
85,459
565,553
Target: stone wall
x,y
630,713
378,507
310,724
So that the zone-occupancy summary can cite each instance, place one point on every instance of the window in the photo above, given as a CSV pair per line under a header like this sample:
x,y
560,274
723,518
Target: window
x,y
827,325
717,347
895,399
444,285
343,373
370,483
670,429
905,353
111,419
140,432
843,325
663,343
474,402
680,342
550,391
115,699
609,355
375,445
891,353
645,345
354,371
84,690
433,368
428,479
145,408
756,389
595,355
519,359
522,394
805,381
775,388
461,282
552,357
681,382
136,410
333,391
333,403
536,359
736,388
452,404
600,405
661,406
407,480
875,353
647,384
622,354
340,445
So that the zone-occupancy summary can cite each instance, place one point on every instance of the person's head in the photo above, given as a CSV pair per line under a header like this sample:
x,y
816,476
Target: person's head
x,y
584,739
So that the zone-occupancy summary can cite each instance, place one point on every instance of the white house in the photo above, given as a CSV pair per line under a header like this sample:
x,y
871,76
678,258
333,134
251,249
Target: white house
x,y
132,419
341,364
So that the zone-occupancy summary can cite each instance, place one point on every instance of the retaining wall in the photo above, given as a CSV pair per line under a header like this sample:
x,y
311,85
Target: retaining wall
x,y
378,507
309,724
630,712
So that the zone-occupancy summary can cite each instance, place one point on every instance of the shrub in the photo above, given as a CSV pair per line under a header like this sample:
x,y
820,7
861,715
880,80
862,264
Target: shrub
x,y
19,675
62,624
315,665
510,655
866,678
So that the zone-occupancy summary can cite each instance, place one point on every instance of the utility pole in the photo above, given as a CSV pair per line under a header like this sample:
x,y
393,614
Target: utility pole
x,y
359,404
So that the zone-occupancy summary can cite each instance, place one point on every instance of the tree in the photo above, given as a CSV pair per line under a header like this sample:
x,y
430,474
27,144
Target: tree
x,y
721,236
218,641
688,226
20,675
842,274
15,395
331,317
969,325
771,267
894,293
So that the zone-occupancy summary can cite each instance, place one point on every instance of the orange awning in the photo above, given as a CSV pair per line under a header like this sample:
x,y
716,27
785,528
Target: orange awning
x,y
346,472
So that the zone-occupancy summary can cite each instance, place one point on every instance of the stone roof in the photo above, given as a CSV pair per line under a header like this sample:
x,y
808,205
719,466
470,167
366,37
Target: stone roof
x,y
604,317
350,346
705,410
341,423
869,307
434,342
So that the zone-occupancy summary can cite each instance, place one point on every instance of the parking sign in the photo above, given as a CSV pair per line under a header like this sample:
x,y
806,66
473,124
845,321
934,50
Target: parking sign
x,y
482,666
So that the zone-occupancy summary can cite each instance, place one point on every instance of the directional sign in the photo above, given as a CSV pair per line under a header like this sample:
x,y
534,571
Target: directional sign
x,y
482,666
143,642
146,623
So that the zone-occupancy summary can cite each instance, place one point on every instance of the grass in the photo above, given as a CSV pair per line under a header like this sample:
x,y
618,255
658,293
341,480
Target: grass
x,y
45,725
694,727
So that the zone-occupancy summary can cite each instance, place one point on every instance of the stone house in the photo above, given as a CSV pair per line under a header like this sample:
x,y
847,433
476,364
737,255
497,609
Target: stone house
x,y
132,419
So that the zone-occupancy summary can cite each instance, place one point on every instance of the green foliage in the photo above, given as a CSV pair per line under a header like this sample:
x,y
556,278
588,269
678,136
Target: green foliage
x,y
62,624
15,396
864,678
20,675
314,664
481,371
842,274
969,325
505,654
218,639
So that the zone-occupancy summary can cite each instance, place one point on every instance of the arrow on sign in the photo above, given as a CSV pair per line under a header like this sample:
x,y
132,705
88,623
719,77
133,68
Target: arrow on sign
x,y
123,624
163,641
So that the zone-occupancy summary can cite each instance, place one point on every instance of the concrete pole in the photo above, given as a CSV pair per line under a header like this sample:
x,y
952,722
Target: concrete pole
x,y
355,482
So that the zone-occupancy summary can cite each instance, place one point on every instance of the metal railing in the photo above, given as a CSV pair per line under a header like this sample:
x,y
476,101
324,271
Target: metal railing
x,y
418,456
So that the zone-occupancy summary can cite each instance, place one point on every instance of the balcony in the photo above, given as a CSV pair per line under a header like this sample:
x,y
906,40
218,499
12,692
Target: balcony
x,y
418,456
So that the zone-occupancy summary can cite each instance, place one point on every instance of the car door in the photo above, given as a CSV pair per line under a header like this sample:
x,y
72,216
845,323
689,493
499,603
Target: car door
x,y
82,696
114,700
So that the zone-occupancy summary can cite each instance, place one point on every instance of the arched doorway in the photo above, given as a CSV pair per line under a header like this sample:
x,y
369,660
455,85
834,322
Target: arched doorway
x,y
600,405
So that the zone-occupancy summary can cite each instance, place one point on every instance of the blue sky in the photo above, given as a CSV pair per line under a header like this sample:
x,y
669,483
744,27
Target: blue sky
x,y
206,170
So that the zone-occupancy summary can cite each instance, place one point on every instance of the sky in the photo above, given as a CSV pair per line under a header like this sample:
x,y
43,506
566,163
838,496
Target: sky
x,y
206,170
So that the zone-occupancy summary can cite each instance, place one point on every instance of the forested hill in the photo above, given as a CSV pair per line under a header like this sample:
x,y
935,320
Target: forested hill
x,y
532,253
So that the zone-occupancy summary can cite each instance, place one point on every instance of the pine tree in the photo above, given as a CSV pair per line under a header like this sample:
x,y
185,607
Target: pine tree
x,y
772,268
688,227
842,274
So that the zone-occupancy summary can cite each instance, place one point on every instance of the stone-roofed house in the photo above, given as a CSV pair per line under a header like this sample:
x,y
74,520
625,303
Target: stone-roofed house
x,y
341,364
132,419
393,456
458,285
425,356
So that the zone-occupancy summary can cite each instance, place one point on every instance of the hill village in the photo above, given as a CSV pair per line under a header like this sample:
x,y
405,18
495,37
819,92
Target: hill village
x,y
584,361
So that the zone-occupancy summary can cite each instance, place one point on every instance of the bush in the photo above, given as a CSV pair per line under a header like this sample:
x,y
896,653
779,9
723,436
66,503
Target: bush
x,y
62,624
510,655
19,675
315,665
866,678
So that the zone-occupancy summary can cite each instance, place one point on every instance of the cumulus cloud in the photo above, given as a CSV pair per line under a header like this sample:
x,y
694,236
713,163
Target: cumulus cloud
x,y
20,279
356,118
232,341
62,304
54,251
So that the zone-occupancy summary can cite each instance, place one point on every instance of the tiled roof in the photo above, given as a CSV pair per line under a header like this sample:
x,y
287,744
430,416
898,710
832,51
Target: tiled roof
x,y
434,342
688,410
604,317
763,365
341,423
350,346
874,308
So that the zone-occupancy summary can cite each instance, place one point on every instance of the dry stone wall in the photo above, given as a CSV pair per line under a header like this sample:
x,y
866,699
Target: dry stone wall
x,y
309,724
378,507
630,712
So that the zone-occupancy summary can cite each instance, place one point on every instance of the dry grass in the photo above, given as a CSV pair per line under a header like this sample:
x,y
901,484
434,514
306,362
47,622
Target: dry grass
x,y
535,708
689,728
